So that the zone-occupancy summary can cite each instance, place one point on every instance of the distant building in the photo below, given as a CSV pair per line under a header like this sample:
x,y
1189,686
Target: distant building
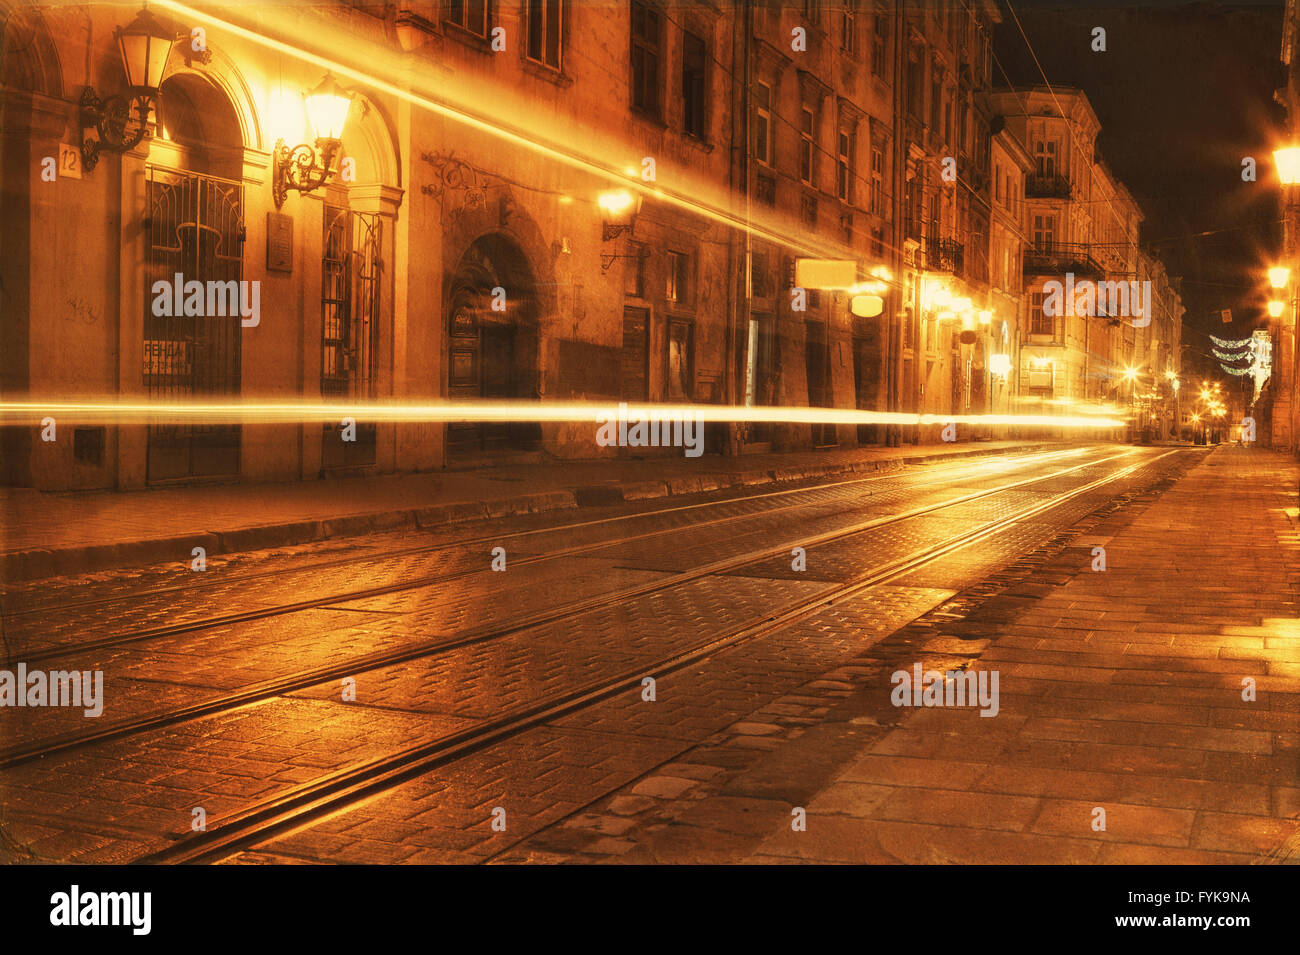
x,y
1097,313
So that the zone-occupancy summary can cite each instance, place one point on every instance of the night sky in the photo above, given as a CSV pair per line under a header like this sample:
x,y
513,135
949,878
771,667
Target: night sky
x,y
1184,91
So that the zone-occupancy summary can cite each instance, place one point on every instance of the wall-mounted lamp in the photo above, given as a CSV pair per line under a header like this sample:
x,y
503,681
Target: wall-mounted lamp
x,y
1275,309
306,168
1278,276
618,211
145,46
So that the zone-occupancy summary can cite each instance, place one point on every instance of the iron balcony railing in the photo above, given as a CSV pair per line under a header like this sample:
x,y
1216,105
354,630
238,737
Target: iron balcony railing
x,y
1048,187
944,255
1054,258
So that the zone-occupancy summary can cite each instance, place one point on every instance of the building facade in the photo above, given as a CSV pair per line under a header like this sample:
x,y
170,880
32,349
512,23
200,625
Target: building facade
x,y
1282,400
529,200
1098,314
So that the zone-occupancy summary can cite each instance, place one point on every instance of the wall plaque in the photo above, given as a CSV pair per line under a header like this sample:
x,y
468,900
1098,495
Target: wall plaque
x,y
279,242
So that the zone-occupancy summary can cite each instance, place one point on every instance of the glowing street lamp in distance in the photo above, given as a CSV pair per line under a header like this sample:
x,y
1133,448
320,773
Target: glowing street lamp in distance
x,y
1287,161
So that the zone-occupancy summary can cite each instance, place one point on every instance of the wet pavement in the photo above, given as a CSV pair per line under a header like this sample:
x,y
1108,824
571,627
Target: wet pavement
x,y
672,679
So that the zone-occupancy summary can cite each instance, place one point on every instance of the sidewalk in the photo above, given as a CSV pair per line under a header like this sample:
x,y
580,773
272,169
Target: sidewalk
x,y
1126,732
48,534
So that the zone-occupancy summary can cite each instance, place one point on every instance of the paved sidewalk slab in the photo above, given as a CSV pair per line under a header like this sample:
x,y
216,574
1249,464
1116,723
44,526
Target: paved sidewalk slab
x,y
47,534
1149,713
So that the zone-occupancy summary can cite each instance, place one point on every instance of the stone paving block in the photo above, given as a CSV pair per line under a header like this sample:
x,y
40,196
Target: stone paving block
x,y
1146,825
906,771
1231,832
980,810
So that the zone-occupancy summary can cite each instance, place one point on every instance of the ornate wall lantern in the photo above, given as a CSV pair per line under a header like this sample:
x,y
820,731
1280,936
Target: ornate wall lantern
x,y
145,46
618,212
306,168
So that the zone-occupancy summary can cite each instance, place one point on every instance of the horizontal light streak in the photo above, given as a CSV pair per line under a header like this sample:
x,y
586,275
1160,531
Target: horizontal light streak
x,y
778,234
452,412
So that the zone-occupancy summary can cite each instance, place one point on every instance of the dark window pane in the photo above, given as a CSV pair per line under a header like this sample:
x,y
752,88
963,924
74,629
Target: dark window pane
x,y
536,20
554,25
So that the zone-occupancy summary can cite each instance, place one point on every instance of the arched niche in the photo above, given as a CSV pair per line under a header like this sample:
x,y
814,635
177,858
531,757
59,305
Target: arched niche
x,y
29,60
218,74
198,120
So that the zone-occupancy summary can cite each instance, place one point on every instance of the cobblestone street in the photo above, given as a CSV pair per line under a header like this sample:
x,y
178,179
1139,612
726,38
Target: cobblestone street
x,y
704,677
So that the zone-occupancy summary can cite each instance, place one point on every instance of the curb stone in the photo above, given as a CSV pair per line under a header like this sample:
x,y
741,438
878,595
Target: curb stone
x,y
39,563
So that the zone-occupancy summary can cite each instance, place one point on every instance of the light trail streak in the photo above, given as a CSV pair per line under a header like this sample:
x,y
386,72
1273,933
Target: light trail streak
x,y
778,235
144,412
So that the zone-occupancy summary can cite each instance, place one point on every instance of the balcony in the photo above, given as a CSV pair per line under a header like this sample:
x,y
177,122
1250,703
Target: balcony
x,y
1048,187
944,255
1057,258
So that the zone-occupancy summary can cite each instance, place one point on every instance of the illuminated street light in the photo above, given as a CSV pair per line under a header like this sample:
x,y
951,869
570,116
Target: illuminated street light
x,y
1278,276
618,211
1287,161
1274,308
145,46
306,168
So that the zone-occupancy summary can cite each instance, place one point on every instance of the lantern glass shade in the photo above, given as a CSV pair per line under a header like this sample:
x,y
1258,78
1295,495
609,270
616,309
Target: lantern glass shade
x,y
618,206
1274,309
1288,165
1278,276
145,46
327,109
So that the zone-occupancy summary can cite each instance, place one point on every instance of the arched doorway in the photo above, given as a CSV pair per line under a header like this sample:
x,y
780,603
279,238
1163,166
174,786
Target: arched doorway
x,y
492,343
194,228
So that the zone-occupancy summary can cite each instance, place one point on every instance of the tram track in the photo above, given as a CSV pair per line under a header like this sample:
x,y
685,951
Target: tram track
x,y
16,756
114,641
338,790
200,584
